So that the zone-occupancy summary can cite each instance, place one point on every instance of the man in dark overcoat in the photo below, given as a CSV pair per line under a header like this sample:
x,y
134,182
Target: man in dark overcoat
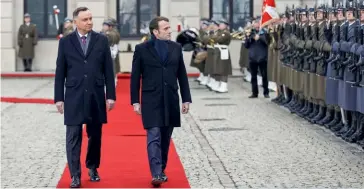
x,y
84,66
159,64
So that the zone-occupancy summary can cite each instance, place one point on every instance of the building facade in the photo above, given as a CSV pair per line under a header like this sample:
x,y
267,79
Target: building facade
x,y
133,17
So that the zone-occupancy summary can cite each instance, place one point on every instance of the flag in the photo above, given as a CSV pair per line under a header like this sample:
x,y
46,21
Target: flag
x,y
269,13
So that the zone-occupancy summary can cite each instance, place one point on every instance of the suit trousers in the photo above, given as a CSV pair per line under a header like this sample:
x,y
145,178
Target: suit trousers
x,y
262,67
73,147
158,140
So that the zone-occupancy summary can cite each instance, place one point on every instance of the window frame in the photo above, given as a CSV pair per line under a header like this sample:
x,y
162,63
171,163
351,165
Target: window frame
x,y
45,19
231,10
138,15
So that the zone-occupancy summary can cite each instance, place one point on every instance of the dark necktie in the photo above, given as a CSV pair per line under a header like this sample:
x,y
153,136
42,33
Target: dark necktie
x,y
83,40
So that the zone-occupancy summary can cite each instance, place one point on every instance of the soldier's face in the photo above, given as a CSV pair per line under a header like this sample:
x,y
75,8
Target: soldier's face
x,y
361,14
84,21
320,15
27,19
349,15
105,27
67,24
164,31
222,26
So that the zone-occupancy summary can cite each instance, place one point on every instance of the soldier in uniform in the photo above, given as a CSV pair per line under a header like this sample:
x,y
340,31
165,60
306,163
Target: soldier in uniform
x,y
244,54
113,38
358,136
210,65
332,84
318,69
223,61
201,34
68,27
27,39
347,93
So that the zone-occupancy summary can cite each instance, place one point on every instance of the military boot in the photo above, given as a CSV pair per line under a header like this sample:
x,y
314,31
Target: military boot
x,y
328,118
308,110
303,109
300,105
344,129
313,113
353,126
335,122
359,133
320,115
278,98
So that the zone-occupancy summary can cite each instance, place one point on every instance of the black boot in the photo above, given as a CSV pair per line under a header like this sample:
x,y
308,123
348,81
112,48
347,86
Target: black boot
x,y
335,123
313,113
275,100
359,133
354,126
319,116
25,64
300,104
308,111
30,62
328,118
303,109
344,129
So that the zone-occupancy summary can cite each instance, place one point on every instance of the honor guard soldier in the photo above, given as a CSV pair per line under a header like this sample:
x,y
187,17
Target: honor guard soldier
x,y
332,84
27,39
223,61
197,63
358,136
322,48
210,65
347,93
116,42
244,54
68,27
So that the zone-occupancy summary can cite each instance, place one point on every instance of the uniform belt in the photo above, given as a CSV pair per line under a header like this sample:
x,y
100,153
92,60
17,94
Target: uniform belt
x,y
209,46
221,46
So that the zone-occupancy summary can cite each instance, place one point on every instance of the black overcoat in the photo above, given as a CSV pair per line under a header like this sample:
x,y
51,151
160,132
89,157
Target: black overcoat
x,y
160,104
81,78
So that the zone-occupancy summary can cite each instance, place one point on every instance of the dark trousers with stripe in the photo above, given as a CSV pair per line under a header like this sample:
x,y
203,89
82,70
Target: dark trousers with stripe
x,y
73,147
158,140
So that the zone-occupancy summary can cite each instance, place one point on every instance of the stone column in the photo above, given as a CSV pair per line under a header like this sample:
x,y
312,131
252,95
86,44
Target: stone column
x,y
7,47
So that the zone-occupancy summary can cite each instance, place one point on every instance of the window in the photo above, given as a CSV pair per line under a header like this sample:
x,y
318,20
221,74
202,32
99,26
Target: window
x,y
134,16
42,14
234,11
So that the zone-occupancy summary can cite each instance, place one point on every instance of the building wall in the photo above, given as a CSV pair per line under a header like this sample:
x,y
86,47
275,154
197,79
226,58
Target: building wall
x,y
46,50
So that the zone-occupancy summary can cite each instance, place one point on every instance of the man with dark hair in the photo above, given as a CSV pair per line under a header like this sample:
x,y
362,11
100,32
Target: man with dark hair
x,y
159,64
84,61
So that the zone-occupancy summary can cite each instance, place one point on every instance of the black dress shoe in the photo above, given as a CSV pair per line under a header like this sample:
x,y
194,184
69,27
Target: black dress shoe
x,y
164,177
94,175
157,181
253,96
76,182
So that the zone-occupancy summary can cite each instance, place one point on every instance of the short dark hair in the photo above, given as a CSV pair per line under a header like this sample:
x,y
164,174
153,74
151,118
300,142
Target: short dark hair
x,y
153,24
78,10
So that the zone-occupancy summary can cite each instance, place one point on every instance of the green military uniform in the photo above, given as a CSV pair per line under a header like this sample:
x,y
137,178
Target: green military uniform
x,y
199,65
210,64
27,39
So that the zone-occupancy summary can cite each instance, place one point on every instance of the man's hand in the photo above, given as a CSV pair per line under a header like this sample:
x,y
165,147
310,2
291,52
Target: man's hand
x,y
137,108
110,104
256,37
59,106
185,107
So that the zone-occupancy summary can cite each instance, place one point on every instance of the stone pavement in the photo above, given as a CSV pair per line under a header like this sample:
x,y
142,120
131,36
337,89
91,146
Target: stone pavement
x,y
227,140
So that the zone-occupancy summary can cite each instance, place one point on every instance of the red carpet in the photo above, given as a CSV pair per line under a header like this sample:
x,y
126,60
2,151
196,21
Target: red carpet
x,y
124,162
27,100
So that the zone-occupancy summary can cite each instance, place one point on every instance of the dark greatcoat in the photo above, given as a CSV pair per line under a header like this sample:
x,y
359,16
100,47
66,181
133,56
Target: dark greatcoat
x,y
159,92
86,76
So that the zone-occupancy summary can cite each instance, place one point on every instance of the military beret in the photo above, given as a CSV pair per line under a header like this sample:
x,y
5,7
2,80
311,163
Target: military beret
x,y
68,20
26,15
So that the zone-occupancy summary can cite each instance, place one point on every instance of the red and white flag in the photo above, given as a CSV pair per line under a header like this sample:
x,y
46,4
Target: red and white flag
x,y
269,13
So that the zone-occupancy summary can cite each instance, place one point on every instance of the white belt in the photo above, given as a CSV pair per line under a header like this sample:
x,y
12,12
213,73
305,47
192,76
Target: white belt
x,y
221,46
224,51
209,46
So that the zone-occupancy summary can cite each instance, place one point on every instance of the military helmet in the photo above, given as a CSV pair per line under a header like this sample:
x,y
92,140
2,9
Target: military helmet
x,y
351,7
26,15
107,22
67,20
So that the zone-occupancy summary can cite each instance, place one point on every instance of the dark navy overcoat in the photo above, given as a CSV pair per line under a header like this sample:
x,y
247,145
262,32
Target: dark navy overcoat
x,y
81,78
160,82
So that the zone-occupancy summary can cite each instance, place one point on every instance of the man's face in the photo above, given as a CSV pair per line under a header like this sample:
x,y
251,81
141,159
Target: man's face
x,y
67,24
320,15
361,14
27,19
164,31
340,15
222,26
256,24
84,21
332,17
303,18
106,27
349,15
312,17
